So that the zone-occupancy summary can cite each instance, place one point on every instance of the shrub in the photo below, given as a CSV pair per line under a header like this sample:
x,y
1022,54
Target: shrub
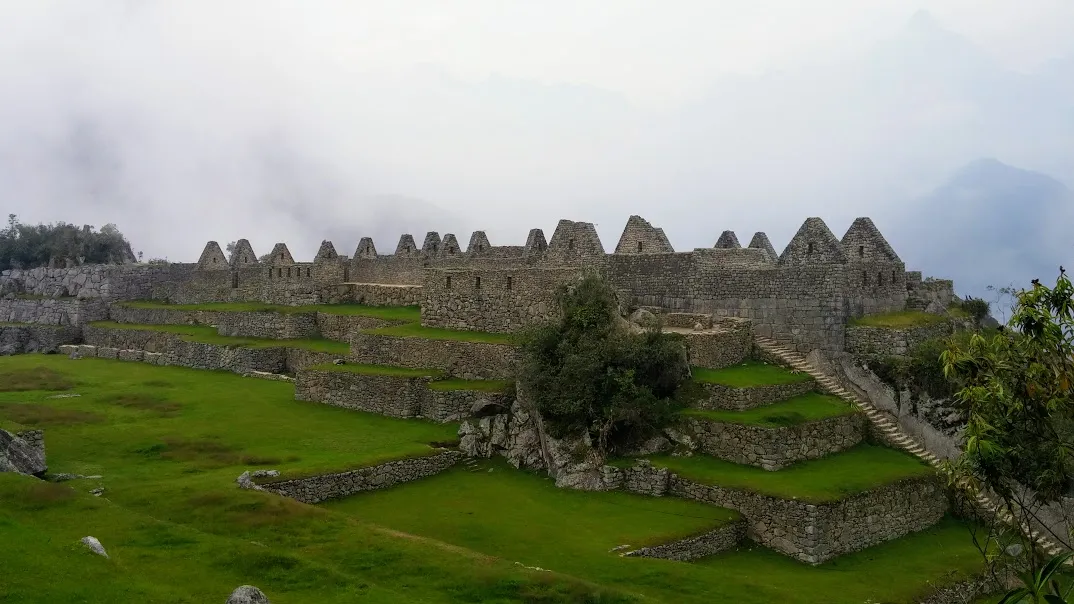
x,y
976,308
590,374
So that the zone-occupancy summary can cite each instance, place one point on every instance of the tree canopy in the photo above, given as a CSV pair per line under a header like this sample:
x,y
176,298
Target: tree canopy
x,y
30,246
590,373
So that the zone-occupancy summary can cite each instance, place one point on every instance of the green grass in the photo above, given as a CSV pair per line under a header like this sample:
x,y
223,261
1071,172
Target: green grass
x,y
378,370
170,441
523,517
415,330
817,481
748,375
388,313
808,407
475,385
902,319
208,335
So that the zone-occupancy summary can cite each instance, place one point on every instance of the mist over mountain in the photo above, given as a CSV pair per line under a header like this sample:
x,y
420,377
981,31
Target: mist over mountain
x,y
989,224
278,133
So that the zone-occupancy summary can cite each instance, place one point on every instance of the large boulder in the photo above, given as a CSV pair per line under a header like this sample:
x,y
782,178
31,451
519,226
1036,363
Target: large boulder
x,y
17,455
247,594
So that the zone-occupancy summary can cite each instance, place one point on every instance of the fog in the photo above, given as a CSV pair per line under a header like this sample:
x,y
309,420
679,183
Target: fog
x,y
299,121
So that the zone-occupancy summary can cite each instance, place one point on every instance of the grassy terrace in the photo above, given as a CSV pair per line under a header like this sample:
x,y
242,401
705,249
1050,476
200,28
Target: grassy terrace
x,y
390,313
208,335
903,319
749,374
169,442
415,330
437,384
817,481
793,411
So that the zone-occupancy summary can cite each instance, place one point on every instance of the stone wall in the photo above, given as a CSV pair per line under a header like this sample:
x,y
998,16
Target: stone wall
x,y
104,281
378,294
738,399
469,360
270,325
60,311
883,340
728,343
34,438
706,544
390,395
492,300
24,338
162,316
776,447
134,344
342,327
811,532
316,489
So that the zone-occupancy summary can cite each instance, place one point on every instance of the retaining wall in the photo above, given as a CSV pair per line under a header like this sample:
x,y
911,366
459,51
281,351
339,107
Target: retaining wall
x,y
729,343
776,447
23,338
808,532
60,311
884,340
469,360
738,399
316,489
269,325
706,544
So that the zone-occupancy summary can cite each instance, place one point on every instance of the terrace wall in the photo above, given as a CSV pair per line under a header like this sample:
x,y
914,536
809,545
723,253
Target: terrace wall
x,y
808,532
738,399
706,544
110,343
316,489
268,325
776,447
492,300
342,327
394,396
59,311
728,344
469,360
863,340
19,339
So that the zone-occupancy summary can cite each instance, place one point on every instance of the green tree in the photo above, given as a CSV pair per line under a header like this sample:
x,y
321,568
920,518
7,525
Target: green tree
x,y
29,246
1016,389
590,373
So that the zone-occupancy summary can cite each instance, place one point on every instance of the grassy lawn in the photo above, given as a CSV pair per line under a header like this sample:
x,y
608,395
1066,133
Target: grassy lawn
x,y
169,442
808,407
748,375
415,330
390,313
208,335
523,517
476,385
819,480
902,319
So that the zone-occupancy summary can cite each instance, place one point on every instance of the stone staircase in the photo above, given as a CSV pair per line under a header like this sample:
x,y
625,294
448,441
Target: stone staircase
x,y
891,433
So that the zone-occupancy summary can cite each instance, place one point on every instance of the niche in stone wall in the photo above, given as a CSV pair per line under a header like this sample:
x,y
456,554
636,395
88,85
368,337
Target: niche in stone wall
x,y
234,280
279,273
880,279
477,282
809,250
508,282
865,279
570,244
640,246
894,274
288,272
307,271
447,282
861,251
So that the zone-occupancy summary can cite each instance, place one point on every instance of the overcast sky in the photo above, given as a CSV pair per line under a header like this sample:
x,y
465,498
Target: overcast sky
x,y
295,121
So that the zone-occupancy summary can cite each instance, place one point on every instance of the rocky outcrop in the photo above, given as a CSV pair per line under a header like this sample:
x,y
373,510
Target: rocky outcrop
x,y
94,546
22,455
247,594
520,437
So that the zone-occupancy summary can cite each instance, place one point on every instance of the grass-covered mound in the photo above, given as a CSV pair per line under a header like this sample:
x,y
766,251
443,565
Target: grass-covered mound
x,y
902,319
809,407
170,441
208,335
822,480
748,374
389,313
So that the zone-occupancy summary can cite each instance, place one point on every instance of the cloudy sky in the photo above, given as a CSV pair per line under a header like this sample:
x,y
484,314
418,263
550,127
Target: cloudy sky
x,y
296,121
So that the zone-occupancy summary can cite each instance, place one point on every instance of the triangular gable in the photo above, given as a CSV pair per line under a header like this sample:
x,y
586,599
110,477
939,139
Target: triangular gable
x,y
535,243
406,246
864,243
243,254
431,245
327,251
575,238
640,237
365,248
281,255
449,247
479,244
814,243
727,241
212,257
760,241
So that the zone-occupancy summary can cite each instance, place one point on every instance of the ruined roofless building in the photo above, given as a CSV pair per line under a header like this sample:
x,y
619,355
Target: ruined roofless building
x,y
803,296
